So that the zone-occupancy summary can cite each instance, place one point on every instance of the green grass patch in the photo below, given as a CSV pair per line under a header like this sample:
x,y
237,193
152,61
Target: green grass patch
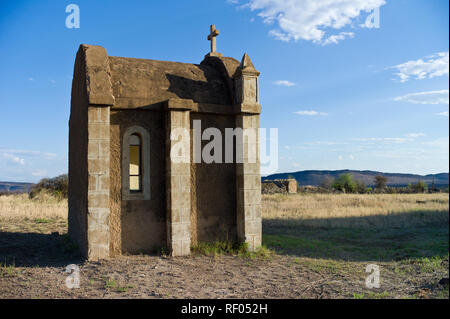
x,y
443,294
230,248
377,244
111,284
426,264
371,295
7,270
43,221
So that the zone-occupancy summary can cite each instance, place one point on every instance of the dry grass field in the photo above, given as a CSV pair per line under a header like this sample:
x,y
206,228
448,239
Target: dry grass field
x,y
356,210
17,207
318,246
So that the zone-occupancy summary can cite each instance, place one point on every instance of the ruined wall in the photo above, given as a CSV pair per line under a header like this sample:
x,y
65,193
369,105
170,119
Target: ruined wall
x,y
138,225
291,186
213,190
78,146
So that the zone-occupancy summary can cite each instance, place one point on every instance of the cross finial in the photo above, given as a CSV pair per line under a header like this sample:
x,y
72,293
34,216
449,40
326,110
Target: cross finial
x,y
212,37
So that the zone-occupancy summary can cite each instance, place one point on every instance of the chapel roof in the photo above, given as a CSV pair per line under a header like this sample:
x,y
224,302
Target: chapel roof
x,y
129,83
142,82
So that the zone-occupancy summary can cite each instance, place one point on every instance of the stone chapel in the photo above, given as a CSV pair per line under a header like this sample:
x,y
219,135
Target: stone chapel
x,y
126,193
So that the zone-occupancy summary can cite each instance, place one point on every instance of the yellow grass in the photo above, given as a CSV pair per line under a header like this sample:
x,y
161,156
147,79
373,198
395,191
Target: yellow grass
x,y
355,210
20,207
317,210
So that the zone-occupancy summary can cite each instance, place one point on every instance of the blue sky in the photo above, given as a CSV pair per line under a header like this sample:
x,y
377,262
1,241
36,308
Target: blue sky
x,y
343,93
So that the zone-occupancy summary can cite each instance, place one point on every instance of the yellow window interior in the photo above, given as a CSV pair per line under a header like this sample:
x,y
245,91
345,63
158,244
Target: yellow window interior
x,y
135,164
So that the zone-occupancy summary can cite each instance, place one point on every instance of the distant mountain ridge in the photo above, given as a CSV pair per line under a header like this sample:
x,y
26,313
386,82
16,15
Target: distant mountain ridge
x,y
315,177
14,187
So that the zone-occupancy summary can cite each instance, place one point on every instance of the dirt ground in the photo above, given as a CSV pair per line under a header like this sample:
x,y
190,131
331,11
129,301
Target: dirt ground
x,y
34,259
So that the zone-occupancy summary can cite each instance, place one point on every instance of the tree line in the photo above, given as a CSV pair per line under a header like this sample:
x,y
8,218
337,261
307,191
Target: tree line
x,y
347,184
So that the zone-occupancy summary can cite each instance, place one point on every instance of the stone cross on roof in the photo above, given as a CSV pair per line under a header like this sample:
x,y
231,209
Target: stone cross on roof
x,y
212,37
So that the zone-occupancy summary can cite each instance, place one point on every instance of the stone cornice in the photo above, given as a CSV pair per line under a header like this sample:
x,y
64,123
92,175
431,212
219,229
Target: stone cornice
x,y
98,75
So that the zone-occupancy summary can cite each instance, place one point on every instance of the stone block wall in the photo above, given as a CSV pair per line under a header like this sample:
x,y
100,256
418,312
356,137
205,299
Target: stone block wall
x,y
178,181
248,184
98,182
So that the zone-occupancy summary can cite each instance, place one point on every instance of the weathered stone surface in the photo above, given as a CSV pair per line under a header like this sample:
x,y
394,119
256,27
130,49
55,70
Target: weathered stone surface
x,y
139,83
98,165
98,75
178,193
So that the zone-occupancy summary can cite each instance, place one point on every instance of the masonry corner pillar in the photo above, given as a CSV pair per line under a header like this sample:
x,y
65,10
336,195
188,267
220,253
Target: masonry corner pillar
x,y
178,177
248,176
96,86
98,182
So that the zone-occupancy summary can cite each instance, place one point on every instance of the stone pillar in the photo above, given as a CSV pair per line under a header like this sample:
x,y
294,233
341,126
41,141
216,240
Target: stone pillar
x,y
92,97
248,176
98,182
248,179
178,178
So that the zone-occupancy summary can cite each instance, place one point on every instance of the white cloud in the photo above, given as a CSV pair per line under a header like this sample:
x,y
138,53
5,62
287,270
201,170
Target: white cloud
x,y
415,135
338,37
30,79
324,143
232,1
439,147
310,113
429,67
429,97
384,139
311,20
39,173
440,143
284,83
28,153
14,159
442,113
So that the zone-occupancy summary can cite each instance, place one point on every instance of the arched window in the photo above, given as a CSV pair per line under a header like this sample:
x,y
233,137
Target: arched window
x,y
135,172
136,164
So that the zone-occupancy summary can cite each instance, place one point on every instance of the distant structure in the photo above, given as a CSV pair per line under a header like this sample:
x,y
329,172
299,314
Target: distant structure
x,y
126,194
289,186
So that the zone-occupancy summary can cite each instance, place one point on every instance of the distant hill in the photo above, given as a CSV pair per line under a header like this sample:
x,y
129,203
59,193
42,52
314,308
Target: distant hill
x,y
13,187
314,178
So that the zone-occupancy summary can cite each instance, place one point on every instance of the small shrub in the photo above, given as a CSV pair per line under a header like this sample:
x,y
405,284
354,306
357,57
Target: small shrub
x,y
345,183
57,187
360,187
420,187
380,182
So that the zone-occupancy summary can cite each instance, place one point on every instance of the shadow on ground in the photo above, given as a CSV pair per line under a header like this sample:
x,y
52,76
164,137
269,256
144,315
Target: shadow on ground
x,y
406,235
37,250
377,238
